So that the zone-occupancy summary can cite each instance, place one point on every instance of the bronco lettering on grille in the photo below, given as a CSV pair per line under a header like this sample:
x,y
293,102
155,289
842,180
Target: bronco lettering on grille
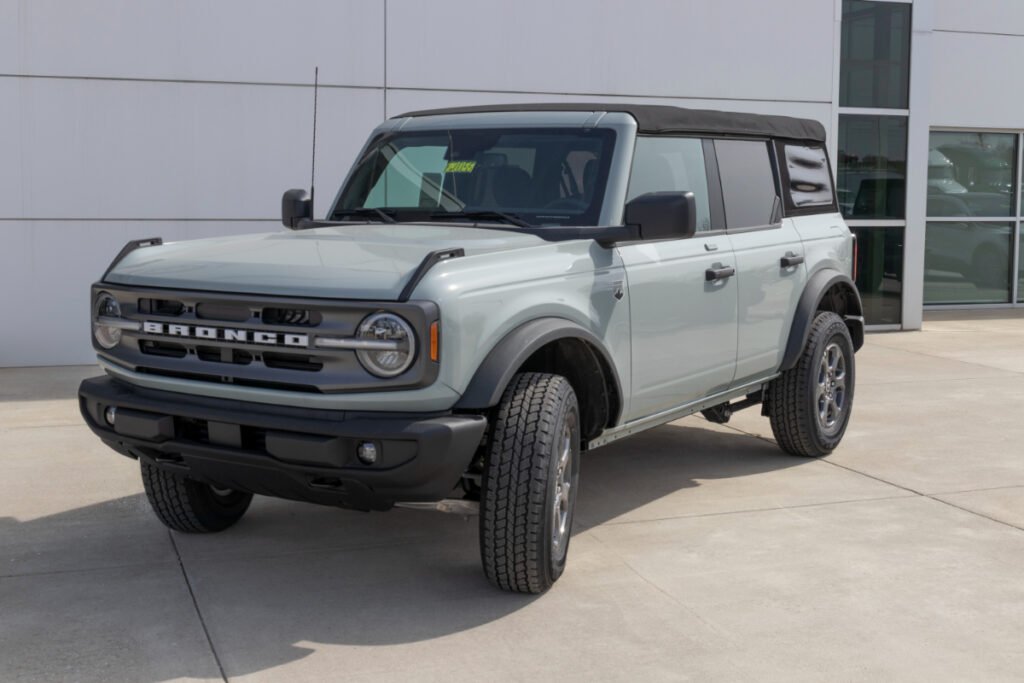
x,y
226,334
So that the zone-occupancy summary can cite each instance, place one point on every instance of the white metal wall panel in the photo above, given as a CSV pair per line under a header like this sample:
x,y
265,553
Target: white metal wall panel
x,y
224,40
979,16
134,149
734,49
972,82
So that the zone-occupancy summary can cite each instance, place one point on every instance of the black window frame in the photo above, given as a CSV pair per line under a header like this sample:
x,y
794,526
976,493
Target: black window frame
x,y
789,207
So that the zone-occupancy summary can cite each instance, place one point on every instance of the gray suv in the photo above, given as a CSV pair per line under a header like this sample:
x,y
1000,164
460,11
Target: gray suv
x,y
494,291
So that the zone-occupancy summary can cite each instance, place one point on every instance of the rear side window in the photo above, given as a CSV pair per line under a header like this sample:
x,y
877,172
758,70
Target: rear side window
x,y
806,179
664,164
748,185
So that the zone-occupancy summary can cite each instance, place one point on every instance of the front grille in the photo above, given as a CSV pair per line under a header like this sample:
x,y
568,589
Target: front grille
x,y
258,341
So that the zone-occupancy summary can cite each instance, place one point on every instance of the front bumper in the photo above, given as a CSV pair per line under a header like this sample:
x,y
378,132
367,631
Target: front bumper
x,y
294,453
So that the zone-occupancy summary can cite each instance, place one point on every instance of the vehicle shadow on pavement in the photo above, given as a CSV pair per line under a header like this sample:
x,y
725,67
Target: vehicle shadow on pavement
x,y
290,578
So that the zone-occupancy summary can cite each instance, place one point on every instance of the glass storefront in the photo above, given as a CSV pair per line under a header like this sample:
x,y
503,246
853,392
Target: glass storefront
x,y
875,54
871,163
969,244
872,166
880,273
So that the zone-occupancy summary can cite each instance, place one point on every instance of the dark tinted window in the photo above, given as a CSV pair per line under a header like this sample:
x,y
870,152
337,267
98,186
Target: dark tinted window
x,y
874,67
871,182
806,177
880,274
748,186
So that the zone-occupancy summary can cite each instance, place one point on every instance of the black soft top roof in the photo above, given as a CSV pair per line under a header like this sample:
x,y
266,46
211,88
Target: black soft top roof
x,y
657,118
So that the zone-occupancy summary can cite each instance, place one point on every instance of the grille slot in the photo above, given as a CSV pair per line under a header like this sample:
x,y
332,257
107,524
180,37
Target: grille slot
x,y
292,316
161,307
289,361
213,354
232,313
159,348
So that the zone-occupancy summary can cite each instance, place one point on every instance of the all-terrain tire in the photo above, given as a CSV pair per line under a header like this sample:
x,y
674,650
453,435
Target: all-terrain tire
x,y
809,405
186,505
531,474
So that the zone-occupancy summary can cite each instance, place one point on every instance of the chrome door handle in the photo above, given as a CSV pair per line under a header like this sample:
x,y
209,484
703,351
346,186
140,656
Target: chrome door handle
x,y
791,259
712,274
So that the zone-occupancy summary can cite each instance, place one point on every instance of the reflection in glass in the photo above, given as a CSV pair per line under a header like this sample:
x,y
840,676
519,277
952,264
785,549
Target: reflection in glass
x,y
880,274
971,174
872,165
967,263
1020,267
874,66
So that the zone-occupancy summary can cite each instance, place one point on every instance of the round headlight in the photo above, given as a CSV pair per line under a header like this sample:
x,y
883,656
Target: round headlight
x,y
106,307
397,348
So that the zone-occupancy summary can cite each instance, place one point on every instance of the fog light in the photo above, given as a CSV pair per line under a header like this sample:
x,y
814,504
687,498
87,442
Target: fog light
x,y
110,414
367,452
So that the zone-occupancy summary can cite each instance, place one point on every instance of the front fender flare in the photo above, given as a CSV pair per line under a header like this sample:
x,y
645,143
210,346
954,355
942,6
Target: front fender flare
x,y
496,370
820,283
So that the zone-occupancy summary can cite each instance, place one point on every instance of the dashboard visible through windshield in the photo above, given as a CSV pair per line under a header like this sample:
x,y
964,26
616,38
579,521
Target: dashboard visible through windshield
x,y
530,176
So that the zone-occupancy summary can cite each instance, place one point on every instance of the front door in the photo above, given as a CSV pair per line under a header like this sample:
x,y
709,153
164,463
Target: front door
x,y
683,325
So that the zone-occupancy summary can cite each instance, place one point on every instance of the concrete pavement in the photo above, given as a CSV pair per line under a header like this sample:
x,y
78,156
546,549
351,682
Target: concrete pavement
x,y
700,552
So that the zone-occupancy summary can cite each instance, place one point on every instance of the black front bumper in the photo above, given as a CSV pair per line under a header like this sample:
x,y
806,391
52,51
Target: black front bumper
x,y
295,453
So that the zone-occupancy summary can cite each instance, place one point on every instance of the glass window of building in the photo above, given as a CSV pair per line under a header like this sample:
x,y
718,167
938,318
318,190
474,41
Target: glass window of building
x,y
967,262
971,174
875,54
969,245
880,274
872,163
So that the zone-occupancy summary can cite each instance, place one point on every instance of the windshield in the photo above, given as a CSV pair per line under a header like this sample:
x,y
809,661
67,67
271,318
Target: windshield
x,y
536,176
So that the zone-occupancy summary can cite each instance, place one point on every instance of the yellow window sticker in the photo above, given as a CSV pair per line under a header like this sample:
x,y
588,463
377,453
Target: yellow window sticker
x,y
460,167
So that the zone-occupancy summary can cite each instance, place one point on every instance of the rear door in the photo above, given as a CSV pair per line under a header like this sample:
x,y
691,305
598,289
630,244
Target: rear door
x,y
770,273
683,326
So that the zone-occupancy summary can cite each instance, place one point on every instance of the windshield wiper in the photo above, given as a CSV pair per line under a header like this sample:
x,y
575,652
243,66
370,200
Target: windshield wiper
x,y
483,215
366,212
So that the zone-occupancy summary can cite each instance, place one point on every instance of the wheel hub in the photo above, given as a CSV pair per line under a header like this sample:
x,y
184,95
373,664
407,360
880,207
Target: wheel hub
x,y
563,486
831,389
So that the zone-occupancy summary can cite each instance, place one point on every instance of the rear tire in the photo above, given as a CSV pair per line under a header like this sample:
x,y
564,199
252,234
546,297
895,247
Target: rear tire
x,y
531,474
809,405
189,506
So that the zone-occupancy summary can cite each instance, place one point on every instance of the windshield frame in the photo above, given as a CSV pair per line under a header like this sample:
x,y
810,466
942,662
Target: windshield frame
x,y
615,177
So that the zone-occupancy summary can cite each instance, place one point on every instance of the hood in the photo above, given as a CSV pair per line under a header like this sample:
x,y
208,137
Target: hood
x,y
358,261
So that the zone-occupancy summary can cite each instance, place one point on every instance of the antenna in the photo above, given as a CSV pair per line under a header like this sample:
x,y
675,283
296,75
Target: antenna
x,y
312,171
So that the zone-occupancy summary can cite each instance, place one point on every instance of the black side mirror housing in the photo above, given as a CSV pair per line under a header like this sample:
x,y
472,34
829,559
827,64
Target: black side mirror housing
x,y
296,207
662,215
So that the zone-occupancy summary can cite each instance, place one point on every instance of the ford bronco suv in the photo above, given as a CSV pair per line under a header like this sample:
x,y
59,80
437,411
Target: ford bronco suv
x,y
494,291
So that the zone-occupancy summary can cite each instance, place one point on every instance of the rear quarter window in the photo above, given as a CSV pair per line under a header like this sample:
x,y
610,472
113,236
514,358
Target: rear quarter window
x,y
806,178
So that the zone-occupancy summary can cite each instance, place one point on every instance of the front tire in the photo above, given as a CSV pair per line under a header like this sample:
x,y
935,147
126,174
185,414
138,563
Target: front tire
x,y
531,474
809,405
186,505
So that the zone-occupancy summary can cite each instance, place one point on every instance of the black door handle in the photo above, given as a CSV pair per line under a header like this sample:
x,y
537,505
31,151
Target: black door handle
x,y
790,260
712,274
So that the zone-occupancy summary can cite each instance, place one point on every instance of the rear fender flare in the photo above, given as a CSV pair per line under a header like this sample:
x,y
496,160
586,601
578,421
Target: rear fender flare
x,y
810,302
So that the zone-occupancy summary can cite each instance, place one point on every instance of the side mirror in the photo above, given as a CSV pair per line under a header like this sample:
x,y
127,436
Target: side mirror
x,y
296,207
663,215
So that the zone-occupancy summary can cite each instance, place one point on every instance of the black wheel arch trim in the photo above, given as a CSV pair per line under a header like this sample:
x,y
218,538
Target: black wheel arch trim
x,y
815,290
508,355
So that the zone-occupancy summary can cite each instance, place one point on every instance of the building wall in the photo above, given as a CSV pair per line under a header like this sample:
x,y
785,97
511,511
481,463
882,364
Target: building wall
x,y
124,119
